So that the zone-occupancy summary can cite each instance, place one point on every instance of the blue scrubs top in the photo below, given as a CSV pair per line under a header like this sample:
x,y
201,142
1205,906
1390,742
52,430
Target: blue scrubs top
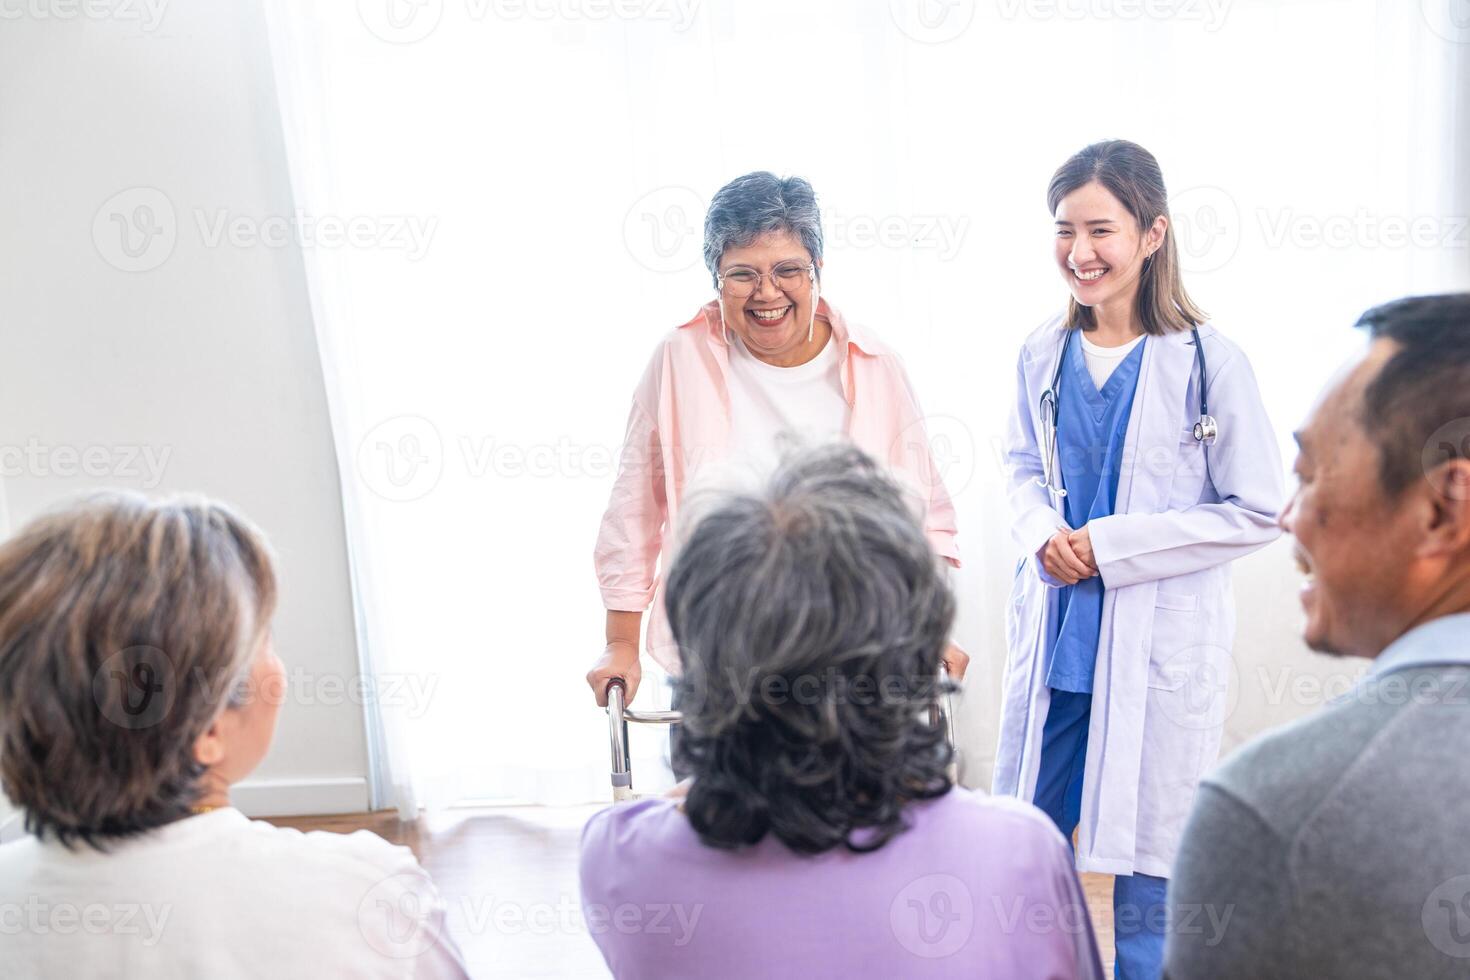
x,y
1090,431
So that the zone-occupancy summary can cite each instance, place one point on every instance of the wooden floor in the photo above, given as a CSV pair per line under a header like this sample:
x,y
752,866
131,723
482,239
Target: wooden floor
x,y
509,877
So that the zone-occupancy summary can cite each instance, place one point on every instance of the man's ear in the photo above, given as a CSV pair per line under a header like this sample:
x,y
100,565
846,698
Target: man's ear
x,y
209,747
1448,530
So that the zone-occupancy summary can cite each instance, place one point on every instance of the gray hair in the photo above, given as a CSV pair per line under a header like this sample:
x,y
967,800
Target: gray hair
x,y
757,204
810,619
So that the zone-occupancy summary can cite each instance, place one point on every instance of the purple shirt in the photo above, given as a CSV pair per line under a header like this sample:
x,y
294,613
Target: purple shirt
x,y
977,887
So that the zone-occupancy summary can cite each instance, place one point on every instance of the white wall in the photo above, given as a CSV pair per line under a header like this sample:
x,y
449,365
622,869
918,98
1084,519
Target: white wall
x,y
207,360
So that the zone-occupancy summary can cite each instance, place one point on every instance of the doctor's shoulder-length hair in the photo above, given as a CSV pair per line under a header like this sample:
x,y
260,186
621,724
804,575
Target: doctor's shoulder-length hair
x,y
1132,175
810,618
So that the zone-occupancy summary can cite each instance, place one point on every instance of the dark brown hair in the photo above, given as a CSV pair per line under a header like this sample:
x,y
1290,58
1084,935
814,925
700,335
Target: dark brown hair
x,y
1132,175
125,627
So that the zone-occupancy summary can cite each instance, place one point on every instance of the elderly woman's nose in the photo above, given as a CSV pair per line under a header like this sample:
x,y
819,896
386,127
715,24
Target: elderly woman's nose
x,y
767,289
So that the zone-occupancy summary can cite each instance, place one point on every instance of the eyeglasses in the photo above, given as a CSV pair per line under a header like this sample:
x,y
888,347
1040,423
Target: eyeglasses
x,y
741,282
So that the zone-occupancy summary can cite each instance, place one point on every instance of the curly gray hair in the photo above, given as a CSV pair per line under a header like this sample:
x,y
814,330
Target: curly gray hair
x,y
810,619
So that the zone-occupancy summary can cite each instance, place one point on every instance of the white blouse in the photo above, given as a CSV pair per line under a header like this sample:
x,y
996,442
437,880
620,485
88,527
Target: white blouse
x,y
775,408
221,896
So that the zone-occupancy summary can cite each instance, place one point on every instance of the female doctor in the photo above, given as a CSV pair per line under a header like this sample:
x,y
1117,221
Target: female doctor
x,y
1141,464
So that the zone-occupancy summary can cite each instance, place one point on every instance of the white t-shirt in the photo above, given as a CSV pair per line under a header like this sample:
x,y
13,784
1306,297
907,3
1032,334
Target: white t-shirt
x,y
221,896
1102,361
774,407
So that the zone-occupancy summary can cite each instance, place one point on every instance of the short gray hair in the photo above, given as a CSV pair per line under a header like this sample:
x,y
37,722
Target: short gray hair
x,y
824,586
758,204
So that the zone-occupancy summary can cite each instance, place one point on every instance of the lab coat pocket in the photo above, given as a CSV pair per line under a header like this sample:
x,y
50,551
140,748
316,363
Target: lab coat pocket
x,y
1175,652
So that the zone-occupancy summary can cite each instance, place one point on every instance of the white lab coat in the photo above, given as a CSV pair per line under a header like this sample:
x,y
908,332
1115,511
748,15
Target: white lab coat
x,y
1168,617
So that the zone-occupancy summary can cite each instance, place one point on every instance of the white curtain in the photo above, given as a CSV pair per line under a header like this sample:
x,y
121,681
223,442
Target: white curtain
x,y
528,182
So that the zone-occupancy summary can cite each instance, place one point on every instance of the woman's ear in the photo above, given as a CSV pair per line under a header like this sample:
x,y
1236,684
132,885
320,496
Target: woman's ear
x,y
209,747
1154,240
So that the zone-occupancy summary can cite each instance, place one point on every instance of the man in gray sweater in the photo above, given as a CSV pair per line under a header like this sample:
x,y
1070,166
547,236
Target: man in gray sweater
x,y
1339,846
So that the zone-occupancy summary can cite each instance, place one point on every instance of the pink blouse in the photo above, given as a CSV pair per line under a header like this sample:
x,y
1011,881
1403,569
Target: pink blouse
x,y
680,421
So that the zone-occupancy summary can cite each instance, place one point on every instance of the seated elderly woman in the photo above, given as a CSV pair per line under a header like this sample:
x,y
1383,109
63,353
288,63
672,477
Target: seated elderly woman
x,y
767,359
137,683
820,834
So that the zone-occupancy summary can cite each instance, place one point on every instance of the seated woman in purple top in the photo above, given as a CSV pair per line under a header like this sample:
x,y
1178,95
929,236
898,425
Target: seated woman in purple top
x,y
820,835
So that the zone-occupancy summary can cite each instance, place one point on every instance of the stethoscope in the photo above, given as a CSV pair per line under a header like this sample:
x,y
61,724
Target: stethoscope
x,y
1206,430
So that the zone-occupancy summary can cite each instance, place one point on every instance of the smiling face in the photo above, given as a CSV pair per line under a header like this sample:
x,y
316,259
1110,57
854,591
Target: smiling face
x,y
1354,544
773,320
1100,250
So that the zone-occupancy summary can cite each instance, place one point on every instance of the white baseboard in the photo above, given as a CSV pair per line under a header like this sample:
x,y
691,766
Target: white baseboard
x,y
300,797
